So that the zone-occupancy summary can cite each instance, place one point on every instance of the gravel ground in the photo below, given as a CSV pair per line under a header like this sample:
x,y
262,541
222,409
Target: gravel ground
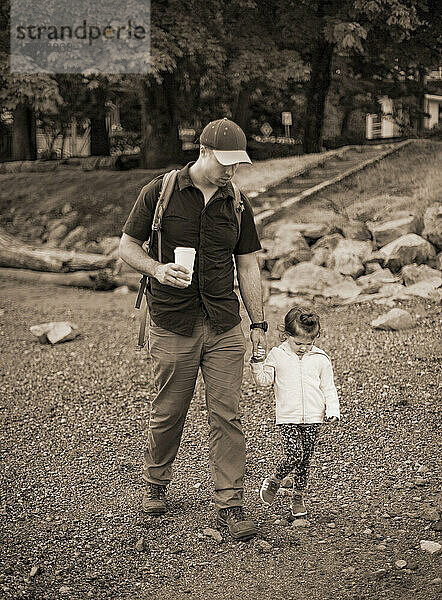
x,y
73,432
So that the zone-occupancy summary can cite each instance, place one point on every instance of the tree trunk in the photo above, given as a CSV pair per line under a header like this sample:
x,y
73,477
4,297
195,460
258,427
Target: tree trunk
x,y
241,112
421,100
96,280
15,253
159,124
319,85
24,139
348,110
100,145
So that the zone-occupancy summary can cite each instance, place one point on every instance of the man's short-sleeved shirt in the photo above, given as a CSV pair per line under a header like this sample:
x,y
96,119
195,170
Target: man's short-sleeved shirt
x,y
211,229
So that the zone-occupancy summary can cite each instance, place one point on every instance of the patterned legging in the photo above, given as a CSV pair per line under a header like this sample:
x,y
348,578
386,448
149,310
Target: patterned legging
x,y
298,442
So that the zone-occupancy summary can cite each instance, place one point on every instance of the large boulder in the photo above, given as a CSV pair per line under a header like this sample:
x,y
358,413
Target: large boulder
x,y
384,233
408,249
284,245
433,224
348,256
394,320
372,283
306,278
76,235
284,229
355,230
323,248
412,274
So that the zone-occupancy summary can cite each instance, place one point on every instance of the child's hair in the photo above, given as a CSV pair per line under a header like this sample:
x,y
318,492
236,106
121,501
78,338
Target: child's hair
x,y
298,322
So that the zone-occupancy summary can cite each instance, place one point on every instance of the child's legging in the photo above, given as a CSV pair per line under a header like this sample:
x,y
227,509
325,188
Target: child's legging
x,y
298,442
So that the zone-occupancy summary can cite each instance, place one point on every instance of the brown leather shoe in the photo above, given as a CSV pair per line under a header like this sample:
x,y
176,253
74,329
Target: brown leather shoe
x,y
154,499
234,519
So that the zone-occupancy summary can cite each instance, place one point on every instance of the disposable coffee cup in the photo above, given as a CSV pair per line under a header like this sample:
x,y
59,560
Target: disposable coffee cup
x,y
186,258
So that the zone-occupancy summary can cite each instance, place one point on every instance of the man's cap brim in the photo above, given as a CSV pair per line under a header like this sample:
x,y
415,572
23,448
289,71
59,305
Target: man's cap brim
x,y
231,157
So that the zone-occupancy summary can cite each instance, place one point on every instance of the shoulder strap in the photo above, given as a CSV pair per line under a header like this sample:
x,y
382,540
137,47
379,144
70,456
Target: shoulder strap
x,y
238,205
167,187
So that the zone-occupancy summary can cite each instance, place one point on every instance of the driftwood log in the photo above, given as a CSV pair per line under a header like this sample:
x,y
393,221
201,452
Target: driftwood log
x,y
17,254
101,280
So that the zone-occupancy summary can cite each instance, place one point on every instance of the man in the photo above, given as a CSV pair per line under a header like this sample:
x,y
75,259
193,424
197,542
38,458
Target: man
x,y
198,325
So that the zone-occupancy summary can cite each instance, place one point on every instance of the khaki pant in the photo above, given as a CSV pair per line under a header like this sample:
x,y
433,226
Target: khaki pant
x,y
176,360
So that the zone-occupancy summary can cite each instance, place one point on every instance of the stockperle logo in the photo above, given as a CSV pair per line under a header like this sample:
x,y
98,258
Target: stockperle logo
x,y
80,36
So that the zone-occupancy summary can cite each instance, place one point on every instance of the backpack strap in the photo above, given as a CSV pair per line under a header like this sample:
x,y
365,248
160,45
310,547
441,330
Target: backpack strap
x,y
238,205
167,187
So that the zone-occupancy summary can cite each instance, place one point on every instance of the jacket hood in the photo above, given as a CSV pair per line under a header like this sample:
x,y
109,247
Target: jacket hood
x,y
315,350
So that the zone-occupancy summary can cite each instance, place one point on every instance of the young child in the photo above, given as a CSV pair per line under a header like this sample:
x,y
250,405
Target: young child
x,y
304,392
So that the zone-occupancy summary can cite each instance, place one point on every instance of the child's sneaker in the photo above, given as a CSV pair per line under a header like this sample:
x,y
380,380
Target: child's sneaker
x,y
297,506
269,489
286,486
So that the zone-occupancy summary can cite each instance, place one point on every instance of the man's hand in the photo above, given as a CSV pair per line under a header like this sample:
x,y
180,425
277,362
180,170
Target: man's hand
x,y
258,337
173,275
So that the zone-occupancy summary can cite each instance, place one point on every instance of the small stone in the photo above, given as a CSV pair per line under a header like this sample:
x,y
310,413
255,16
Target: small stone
x,y
368,531
437,526
122,290
429,546
64,589
197,486
422,469
381,547
213,533
264,546
300,523
331,525
436,581
34,571
420,481
140,545
401,564
349,570
283,522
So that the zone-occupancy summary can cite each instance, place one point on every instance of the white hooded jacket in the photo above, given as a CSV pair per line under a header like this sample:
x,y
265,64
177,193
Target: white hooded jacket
x,y
304,388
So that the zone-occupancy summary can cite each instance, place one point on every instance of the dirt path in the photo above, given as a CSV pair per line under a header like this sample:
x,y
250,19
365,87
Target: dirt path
x,y
73,432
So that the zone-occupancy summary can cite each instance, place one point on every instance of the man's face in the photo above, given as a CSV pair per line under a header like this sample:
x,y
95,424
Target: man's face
x,y
216,173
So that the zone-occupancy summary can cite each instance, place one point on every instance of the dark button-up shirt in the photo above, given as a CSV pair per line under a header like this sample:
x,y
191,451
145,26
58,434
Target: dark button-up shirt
x,y
211,229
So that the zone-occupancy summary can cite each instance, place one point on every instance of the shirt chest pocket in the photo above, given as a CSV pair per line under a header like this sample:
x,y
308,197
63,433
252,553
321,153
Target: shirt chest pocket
x,y
223,233
180,230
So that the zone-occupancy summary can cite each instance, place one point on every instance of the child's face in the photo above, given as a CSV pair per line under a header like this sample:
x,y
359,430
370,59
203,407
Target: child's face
x,y
301,343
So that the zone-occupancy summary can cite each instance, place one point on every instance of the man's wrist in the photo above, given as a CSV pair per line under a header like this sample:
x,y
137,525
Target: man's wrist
x,y
259,325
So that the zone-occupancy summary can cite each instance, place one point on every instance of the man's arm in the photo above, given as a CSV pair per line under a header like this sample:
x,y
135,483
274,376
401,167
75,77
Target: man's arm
x,y
249,281
168,274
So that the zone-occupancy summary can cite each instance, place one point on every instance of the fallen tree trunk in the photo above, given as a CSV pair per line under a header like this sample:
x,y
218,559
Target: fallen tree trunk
x,y
96,280
15,253
102,280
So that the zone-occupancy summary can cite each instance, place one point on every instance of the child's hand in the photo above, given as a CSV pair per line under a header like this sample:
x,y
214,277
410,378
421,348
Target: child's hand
x,y
331,420
259,356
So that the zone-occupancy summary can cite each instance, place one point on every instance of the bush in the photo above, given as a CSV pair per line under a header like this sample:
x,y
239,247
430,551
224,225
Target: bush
x,y
264,151
349,139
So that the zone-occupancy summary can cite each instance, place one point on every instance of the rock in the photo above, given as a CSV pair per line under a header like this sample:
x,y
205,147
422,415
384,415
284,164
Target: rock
x,y
407,249
300,523
412,274
437,526
311,231
56,234
436,581
393,291
433,224
71,219
64,589
76,235
306,278
264,546
123,290
55,332
384,233
396,319
367,531
282,264
419,481
67,208
438,261
424,289
372,264
320,256
401,564
347,258
429,546
34,571
287,246
140,546
372,283
328,241
355,230
331,525
430,513
280,301
345,291
422,469
109,244
213,533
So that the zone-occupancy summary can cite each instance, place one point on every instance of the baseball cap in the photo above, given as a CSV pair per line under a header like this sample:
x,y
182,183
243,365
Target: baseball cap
x,y
227,140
